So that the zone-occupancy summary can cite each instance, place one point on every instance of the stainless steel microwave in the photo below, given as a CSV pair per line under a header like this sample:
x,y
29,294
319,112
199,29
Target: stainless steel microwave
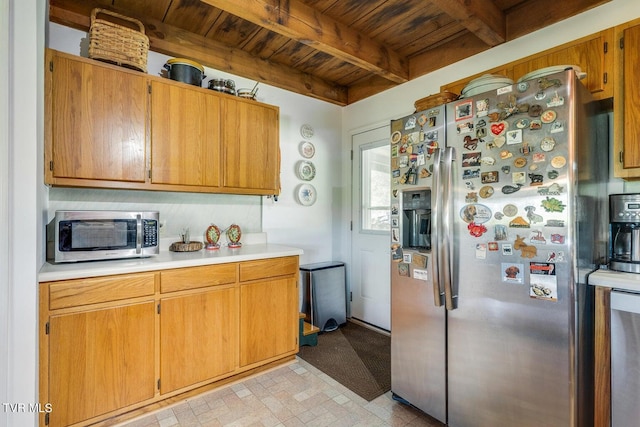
x,y
101,235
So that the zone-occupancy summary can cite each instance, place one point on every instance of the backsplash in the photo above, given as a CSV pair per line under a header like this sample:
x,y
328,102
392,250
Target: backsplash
x,y
177,210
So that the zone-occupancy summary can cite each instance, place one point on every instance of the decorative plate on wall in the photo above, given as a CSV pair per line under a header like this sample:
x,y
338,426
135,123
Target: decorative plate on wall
x,y
306,170
306,131
307,149
306,194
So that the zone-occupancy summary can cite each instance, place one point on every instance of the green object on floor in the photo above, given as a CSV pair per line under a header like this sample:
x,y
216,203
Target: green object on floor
x,y
308,332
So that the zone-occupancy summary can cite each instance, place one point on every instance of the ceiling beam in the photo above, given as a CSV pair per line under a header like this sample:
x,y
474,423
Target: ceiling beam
x,y
481,17
176,42
547,13
446,54
296,20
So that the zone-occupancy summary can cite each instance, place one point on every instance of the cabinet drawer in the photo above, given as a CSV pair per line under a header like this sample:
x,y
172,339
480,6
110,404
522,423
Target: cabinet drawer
x,y
271,267
70,293
197,277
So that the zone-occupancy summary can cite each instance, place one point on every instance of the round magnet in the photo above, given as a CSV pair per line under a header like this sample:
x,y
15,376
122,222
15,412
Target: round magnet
x,y
547,143
486,191
558,162
522,123
548,116
510,210
523,86
520,162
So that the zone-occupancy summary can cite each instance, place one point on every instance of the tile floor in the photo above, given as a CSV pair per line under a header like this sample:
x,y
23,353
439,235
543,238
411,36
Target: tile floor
x,y
293,395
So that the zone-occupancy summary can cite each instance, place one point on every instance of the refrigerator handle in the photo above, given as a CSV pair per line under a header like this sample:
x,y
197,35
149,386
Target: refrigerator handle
x,y
447,232
436,196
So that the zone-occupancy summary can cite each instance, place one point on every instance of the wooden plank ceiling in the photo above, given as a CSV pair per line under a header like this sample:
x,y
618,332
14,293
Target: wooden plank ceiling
x,y
339,51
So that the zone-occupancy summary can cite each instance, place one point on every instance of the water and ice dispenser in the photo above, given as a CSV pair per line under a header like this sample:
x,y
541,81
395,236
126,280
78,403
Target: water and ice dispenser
x,y
416,219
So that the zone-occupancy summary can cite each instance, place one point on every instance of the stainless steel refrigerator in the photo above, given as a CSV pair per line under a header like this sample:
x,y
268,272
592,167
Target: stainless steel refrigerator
x,y
491,321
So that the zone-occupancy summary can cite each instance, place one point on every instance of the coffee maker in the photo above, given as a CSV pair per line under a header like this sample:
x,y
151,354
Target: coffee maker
x,y
624,232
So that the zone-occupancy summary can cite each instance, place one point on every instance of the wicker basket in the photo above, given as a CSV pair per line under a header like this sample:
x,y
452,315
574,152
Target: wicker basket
x,y
434,100
112,42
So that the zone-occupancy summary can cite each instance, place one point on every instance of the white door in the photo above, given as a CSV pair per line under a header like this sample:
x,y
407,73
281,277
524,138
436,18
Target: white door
x,y
370,277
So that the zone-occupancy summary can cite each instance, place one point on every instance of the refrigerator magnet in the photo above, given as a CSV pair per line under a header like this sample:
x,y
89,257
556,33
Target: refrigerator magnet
x,y
395,235
555,101
420,275
466,127
543,281
420,260
481,251
396,252
499,128
410,124
471,159
514,136
406,258
395,137
482,107
507,249
557,126
512,273
403,269
464,110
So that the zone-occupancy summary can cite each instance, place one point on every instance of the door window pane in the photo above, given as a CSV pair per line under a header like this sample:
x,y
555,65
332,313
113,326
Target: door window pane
x,y
375,187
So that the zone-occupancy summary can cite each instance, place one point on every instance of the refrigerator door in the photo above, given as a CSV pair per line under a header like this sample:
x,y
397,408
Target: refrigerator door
x,y
418,346
512,330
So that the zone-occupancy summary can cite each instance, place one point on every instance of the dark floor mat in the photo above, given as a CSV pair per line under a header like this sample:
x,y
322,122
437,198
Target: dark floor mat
x,y
357,357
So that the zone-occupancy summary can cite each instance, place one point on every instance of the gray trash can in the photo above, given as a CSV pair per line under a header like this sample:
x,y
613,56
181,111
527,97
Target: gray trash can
x,y
323,298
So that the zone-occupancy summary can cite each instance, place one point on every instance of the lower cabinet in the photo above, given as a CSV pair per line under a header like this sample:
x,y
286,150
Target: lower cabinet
x,y
100,360
198,338
267,320
116,344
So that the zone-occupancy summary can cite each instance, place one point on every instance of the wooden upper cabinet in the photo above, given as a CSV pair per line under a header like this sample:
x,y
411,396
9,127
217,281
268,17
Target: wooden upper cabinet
x,y
626,141
185,135
251,153
96,121
592,54
110,127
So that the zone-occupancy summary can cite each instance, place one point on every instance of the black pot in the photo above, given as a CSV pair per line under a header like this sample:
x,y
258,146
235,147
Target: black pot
x,y
185,71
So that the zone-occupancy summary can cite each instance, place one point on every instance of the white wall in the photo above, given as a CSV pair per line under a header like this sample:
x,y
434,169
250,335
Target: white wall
x,y
21,200
285,221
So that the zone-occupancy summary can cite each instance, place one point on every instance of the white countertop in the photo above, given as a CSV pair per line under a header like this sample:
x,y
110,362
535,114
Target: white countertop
x,y
165,260
615,279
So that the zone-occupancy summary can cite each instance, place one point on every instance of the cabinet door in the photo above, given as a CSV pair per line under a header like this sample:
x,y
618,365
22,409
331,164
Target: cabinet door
x,y
589,53
268,319
185,135
631,97
251,146
100,361
97,120
198,337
